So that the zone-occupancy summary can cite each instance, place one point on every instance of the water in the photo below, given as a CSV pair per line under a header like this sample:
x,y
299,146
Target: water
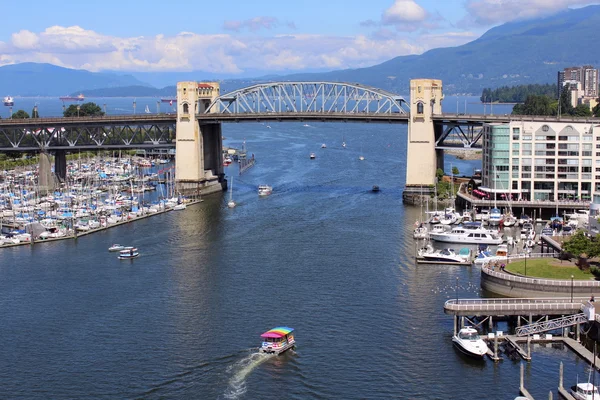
x,y
322,254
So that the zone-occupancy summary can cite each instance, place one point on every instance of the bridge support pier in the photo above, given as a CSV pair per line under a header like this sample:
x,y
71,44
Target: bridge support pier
x,y
45,177
60,165
422,159
198,158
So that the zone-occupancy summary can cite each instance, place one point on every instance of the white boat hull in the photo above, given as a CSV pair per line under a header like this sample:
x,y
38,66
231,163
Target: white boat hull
x,y
278,350
476,349
446,238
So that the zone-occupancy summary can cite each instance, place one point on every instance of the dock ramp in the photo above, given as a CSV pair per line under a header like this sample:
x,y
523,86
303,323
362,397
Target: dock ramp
x,y
552,324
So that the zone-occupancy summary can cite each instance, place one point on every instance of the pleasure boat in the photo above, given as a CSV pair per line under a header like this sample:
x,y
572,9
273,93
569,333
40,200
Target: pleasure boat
x,y
468,341
466,216
483,257
313,156
495,217
421,231
277,340
264,190
527,231
462,235
509,220
524,219
449,217
585,391
323,146
444,256
375,188
128,254
119,247
556,222
180,207
8,101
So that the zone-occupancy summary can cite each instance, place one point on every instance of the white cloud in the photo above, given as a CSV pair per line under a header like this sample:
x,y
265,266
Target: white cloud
x,y
499,11
252,24
76,47
403,11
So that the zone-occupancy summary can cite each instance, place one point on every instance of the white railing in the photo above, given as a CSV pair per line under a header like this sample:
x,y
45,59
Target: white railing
x,y
540,281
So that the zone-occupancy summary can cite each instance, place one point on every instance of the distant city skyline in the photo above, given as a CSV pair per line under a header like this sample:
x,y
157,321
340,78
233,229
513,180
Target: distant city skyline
x,y
264,35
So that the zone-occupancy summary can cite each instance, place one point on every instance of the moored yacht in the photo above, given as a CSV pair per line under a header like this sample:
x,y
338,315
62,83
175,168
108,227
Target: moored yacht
x,y
462,235
444,256
495,217
421,231
469,342
264,190
585,391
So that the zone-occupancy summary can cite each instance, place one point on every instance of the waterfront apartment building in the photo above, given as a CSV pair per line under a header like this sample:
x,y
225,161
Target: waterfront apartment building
x,y
542,160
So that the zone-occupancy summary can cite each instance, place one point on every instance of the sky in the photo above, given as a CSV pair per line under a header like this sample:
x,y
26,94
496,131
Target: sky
x,y
237,36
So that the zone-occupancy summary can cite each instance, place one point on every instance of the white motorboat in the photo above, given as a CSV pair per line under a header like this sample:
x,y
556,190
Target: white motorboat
x,y
128,254
524,219
180,207
313,156
323,146
509,220
8,101
444,256
466,216
462,235
469,342
585,391
483,257
231,203
527,231
264,190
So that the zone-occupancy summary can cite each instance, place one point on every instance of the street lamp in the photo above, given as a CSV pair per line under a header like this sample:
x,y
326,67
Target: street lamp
x,y
525,262
571,288
134,107
158,106
78,108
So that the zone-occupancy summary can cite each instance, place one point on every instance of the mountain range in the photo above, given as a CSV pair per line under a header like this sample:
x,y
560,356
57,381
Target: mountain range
x,y
514,53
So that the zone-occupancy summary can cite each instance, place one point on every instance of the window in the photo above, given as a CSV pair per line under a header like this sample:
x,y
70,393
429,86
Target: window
x,y
419,105
186,108
545,128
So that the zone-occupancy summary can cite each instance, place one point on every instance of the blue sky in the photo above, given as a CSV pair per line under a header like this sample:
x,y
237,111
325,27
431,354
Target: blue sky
x,y
237,36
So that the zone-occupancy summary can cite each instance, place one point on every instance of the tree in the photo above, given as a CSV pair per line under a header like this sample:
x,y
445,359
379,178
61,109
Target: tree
x,y
535,105
34,113
580,246
455,170
20,115
582,110
439,174
564,103
85,110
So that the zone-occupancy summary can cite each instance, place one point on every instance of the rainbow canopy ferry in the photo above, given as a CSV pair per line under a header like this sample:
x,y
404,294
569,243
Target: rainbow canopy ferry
x,y
277,340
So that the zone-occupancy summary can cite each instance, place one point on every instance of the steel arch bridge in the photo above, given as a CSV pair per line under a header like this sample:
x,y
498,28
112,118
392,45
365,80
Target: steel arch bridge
x,y
324,98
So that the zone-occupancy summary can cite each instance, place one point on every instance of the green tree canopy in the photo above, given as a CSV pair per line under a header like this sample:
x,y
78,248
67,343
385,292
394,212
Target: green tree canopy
x,y
565,100
20,114
517,94
579,244
455,170
535,105
582,110
85,110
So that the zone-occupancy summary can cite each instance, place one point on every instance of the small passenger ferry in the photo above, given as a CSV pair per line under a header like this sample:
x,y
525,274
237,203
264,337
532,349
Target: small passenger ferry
x,y
128,254
277,340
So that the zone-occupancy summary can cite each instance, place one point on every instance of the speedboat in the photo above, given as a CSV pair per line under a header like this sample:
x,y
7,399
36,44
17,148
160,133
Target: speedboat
x,y
527,231
585,391
128,254
462,235
444,256
313,156
524,219
323,146
180,207
277,340
509,220
375,188
483,257
264,190
468,341
119,247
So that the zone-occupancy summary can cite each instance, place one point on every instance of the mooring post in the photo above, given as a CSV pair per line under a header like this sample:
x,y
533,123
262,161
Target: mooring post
x,y
578,333
521,387
491,323
560,376
496,347
528,347
455,323
550,395
462,322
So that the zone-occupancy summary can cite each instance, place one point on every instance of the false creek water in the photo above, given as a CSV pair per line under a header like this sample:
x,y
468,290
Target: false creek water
x,y
321,254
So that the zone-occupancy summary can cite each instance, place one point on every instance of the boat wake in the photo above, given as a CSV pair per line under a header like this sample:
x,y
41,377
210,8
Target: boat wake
x,y
239,372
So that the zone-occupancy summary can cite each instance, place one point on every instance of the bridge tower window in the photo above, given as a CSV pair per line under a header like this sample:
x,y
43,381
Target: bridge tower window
x,y
186,108
419,108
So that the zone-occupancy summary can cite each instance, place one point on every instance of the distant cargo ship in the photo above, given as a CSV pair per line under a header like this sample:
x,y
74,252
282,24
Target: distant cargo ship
x,y
79,97
8,101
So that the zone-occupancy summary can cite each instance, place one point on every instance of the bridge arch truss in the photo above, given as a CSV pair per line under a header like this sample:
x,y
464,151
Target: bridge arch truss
x,y
309,97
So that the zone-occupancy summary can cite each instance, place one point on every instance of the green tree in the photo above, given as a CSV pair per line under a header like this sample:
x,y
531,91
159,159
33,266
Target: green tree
x,y
535,105
85,110
582,110
455,170
20,114
34,113
564,103
439,174
580,246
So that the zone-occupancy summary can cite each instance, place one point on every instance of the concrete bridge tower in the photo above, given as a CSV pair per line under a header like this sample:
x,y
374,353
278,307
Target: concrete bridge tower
x,y
198,150
422,158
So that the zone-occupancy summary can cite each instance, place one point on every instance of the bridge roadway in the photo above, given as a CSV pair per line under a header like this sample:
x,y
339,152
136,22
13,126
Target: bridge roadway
x,y
514,306
149,119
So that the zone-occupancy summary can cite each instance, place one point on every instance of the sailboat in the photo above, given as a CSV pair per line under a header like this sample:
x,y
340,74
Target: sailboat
x,y
147,110
495,214
231,203
421,231
343,142
361,157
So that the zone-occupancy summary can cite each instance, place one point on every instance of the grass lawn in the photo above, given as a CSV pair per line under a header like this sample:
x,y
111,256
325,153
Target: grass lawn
x,y
550,268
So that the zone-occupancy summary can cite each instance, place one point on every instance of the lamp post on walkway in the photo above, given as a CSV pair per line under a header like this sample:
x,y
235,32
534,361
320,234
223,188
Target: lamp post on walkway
x,y
571,288
525,262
